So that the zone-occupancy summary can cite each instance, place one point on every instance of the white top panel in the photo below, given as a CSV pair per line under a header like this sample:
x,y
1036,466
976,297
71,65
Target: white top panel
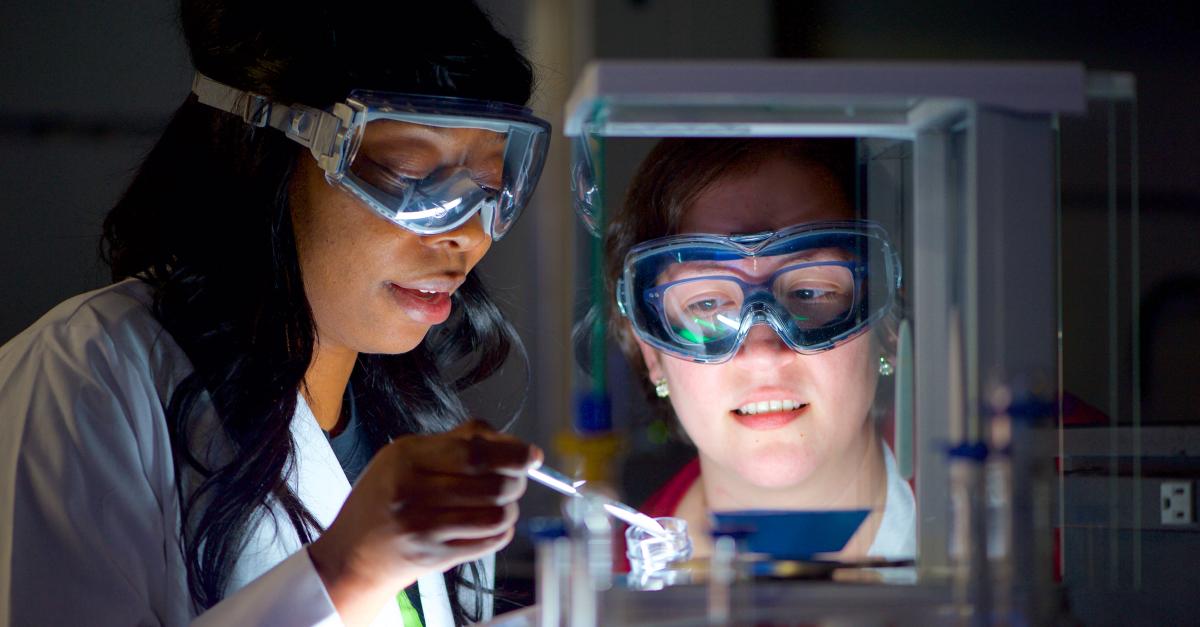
x,y
1033,87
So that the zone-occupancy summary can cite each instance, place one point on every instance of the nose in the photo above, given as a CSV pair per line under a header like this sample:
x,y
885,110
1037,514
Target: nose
x,y
468,237
763,349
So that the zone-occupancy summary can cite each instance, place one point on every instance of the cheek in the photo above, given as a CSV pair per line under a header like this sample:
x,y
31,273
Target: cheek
x,y
846,378
338,253
323,240
696,395
477,254
320,223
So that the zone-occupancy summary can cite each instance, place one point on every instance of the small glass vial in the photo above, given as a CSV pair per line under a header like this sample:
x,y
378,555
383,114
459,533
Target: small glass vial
x,y
655,562
553,551
590,570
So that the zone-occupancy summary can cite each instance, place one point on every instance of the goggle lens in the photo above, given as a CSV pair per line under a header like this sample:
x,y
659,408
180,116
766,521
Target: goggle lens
x,y
706,309
426,163
431,179
696,296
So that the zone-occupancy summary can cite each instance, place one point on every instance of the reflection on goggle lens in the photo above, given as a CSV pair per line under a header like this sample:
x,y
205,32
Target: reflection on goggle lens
x,y
430,179
710,308
696,296
435,196
425,163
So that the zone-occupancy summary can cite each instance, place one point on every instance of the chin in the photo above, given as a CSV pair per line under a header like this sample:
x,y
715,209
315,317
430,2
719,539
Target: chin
x,y
776,466
397,344
407,345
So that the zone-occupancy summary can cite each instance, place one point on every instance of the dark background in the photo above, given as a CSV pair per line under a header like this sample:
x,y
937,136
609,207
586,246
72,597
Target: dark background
x,y
85,88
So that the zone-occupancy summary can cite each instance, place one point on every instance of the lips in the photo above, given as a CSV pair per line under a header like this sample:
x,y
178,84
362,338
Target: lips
x,y
769,410
762,407
424,302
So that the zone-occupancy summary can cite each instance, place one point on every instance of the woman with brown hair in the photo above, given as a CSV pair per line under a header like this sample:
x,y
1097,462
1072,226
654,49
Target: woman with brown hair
x,y
750,298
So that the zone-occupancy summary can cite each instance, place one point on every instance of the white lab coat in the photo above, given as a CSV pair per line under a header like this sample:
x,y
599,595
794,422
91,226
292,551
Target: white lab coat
x,y
89,512
896,538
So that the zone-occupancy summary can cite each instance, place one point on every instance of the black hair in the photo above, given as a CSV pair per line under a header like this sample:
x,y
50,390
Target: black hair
x,y
206,223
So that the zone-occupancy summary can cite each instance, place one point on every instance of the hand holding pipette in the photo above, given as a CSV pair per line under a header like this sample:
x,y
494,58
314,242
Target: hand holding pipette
x,y
561,483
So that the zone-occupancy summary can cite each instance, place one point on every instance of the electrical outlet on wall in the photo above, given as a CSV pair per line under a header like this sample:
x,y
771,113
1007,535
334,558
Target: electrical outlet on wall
x,y
1177,503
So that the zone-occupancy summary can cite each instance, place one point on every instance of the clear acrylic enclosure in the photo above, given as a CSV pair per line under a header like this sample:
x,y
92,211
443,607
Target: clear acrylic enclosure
x,y
960,164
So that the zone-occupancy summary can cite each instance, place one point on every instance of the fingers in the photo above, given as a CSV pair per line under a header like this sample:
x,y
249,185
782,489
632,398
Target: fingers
x,y
472,449
446,498
445,525
468,550
507,456
538,457
483,431
503,538
455,552
452,552
463,490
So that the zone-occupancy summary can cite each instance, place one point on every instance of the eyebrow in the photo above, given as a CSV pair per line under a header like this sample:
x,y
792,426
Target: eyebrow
x,y
413,132
838,254
705,265
447,132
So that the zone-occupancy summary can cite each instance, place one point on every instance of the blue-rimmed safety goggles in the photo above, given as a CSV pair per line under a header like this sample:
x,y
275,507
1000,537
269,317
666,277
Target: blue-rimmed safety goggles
x,y
427,164
696,296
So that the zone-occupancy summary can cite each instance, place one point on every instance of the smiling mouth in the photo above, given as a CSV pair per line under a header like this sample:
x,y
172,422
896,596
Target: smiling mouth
x,y
763,407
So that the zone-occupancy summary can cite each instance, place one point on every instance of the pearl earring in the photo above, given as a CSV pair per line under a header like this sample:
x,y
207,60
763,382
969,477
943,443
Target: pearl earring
x,y
886,369
660,388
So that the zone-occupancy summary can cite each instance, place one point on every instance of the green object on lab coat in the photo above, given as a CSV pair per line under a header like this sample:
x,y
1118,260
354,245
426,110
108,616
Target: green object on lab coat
x,y
407,611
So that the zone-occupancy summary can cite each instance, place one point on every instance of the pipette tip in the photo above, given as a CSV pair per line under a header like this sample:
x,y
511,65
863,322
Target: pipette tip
x,y
561,483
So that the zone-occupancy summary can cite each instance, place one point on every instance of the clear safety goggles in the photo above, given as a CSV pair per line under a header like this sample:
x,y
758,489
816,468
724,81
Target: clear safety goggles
x,y
425,163
696,296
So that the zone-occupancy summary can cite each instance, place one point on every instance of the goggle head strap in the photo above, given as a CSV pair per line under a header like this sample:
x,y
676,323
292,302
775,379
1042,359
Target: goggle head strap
x,y
326,134
621,297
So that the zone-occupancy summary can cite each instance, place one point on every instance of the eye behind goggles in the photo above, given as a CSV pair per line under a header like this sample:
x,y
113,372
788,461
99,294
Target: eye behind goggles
x,y
697,296
441,196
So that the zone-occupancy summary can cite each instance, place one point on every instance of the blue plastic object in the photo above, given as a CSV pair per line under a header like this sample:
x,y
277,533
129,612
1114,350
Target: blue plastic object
x,y
543,529
593,413
791,534
976,452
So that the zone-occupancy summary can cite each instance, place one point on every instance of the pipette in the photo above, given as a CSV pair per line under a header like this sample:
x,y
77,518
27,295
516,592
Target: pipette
x,y
561,483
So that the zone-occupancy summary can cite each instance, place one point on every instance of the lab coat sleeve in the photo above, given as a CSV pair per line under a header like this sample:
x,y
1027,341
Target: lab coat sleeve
x,y
87,539
92,520
291,593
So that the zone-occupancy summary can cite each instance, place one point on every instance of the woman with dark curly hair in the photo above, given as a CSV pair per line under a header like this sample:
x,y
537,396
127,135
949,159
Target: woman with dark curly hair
x,y
293,313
